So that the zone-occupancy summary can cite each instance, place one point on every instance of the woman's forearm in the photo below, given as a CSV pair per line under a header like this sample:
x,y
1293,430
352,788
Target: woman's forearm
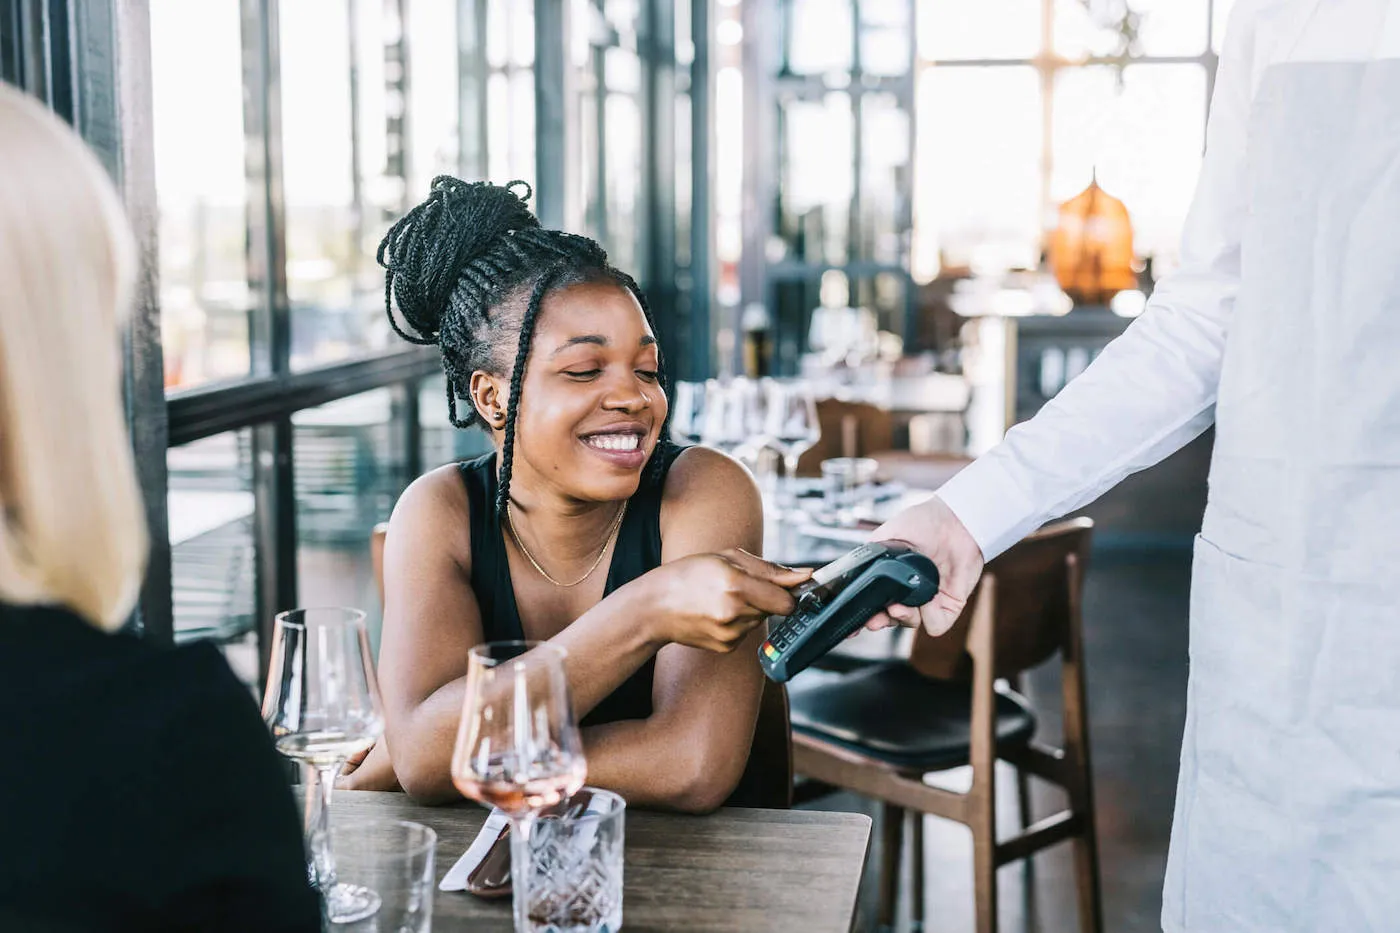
x,y
657,763
605,646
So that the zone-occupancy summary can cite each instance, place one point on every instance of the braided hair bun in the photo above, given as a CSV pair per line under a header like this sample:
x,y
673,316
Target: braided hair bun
x,y
427,251
469,267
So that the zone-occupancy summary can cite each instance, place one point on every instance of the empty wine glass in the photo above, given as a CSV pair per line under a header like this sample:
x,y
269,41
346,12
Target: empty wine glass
x,y
518,745
734,418
688,413
322,705
752,412
723,427
793,427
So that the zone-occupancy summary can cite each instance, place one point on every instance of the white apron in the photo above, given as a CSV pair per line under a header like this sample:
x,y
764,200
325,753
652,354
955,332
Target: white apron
x,y
1288,806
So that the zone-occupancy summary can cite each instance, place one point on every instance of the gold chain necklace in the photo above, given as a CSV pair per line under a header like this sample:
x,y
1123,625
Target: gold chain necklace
x,y
612,533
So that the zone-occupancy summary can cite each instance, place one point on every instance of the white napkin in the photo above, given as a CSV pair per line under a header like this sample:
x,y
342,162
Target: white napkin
x,y
456,877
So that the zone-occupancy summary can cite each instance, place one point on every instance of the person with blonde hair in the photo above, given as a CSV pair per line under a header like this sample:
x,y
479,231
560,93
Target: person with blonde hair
x,y
141,790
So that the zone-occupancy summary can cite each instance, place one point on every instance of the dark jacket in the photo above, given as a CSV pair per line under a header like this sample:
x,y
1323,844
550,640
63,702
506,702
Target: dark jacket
x,y
139,789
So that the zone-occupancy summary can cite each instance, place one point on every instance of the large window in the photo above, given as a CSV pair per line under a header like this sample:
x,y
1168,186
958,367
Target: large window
x,y
828,123
288,135
285,143
1022,103
207,302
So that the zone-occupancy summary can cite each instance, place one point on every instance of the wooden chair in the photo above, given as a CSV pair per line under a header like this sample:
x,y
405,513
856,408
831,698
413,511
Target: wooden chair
x,y
767,779
878,730
849,429
859,429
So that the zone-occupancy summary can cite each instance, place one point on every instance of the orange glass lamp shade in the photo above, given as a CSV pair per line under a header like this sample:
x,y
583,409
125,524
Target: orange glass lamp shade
x,y
1091,250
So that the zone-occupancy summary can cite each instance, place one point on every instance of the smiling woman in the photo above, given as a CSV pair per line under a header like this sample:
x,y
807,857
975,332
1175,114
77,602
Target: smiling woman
x,y
555,352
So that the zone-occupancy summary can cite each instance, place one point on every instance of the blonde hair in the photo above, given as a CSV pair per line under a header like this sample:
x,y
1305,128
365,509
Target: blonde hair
x,y
72,527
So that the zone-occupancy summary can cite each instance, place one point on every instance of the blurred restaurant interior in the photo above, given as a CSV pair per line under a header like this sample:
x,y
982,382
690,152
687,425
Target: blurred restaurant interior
x,y
919,218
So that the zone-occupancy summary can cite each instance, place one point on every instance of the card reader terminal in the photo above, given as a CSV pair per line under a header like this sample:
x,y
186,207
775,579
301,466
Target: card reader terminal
x,y
840,598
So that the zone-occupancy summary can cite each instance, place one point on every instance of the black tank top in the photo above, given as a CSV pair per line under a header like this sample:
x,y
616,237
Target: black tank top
x,y
638,550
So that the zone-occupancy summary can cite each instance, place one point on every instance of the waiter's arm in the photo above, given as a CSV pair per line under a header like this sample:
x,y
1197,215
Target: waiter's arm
x,y
1150,392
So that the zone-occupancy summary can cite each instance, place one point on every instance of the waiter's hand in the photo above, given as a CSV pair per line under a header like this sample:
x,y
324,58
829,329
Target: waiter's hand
x,y
933,529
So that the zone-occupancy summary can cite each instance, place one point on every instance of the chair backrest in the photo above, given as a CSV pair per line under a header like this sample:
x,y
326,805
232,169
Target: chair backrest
x,y
849,429
1036,603
767,779
376,555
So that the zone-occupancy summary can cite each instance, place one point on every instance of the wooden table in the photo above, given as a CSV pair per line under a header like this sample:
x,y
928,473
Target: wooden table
x,y
734,870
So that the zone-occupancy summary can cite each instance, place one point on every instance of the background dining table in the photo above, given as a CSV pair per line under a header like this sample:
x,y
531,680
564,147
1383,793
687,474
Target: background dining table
x,y
731,870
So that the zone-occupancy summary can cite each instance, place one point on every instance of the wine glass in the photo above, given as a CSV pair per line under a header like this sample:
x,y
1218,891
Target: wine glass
x,y
793,426
688,413
751,412
722,427
518,746
322,704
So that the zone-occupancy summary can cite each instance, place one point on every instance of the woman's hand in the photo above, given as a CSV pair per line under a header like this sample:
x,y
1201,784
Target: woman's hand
x,y
712,601
369,770
932,528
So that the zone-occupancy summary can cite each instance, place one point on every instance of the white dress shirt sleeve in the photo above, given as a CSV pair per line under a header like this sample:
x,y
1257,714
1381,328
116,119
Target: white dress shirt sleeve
x,y
1154,388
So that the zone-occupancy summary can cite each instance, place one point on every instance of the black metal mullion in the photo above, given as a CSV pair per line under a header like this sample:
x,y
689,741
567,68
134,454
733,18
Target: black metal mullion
x,y
760,182
698,334
405,433
855,247
270,337
551,123
60,41
658,227
471,84
110,86
905,218
32,47
274,529
600,134
12,42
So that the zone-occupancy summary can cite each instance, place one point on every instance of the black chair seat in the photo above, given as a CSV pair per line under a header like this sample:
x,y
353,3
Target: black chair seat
x,y
892,714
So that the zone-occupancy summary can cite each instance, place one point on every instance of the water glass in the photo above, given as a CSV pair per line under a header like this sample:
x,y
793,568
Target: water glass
x,y
395,859
844,480
571,866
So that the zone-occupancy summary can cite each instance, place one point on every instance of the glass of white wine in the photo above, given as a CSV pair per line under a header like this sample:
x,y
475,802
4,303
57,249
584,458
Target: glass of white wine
x,y
518,746
322,705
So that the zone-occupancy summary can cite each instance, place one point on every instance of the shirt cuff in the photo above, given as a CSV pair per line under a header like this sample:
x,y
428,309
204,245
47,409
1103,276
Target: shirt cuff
x,y
992,503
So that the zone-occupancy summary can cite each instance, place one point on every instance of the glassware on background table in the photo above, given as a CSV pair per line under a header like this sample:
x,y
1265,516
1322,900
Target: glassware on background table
x,y
723,427
735,419
688,413
793,426
394,858
322,705
845,480
752,412
518,746
572,879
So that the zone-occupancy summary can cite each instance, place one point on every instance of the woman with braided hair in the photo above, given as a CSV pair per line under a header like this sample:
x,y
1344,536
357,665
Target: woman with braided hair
x,y
584,527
